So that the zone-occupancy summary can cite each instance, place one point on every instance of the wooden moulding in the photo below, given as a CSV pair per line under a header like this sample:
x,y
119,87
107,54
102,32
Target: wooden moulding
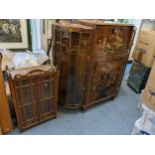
x,y
5,117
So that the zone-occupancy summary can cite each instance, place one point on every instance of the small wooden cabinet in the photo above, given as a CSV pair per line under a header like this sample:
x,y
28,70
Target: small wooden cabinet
x,y
91,58
34,94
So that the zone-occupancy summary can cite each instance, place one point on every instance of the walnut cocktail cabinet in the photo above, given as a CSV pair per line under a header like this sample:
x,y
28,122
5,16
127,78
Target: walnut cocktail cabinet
x,y
34,94
91,60
5,117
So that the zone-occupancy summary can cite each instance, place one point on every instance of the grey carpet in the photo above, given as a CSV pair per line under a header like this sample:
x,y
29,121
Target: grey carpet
x,y
115,117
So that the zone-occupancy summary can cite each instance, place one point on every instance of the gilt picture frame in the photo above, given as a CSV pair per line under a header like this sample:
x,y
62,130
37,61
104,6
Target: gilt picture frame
x,y
14,34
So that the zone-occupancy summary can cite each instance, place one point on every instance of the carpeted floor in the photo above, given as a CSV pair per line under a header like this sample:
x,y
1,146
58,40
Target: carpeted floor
x,y
115,117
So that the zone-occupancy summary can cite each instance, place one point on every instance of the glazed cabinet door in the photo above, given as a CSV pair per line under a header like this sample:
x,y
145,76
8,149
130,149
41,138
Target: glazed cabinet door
x,y
103,81
26,99
34,94
72,82
47,95
73,70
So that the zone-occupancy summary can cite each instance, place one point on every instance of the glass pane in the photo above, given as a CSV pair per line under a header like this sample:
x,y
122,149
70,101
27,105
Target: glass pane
x,y
41,106
47,105
72,79
53,104
17,83
53,88
27,95
26,91
46,78
65,41
56,54
27,112
75,40
57,48
57,35
85,40
19,97
25,82
46,89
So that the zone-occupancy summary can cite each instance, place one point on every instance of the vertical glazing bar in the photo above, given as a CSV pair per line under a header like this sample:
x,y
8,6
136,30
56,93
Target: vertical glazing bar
x,y
21,95
80,42
50,83
55,91
70,42
42,97
32,97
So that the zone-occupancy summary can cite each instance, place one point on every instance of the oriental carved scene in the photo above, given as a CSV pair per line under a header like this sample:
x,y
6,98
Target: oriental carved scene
x,y
105,80
111,42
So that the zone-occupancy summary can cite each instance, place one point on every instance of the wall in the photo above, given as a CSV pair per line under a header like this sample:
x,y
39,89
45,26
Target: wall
x,y
46,32
35,34
148,25
137,23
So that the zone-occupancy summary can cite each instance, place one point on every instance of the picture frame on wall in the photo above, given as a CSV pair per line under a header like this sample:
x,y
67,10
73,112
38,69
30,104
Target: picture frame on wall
x,y
14,34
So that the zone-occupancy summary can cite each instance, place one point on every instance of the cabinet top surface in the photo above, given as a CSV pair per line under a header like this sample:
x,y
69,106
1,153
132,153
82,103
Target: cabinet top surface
x,y
25,71
100,22
72,25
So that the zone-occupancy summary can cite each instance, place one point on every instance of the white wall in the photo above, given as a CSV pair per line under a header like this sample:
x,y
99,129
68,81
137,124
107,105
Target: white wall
x,y
46,24
137,23
36,36
148,25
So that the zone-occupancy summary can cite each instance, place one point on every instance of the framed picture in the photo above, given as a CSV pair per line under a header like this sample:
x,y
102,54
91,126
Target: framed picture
x,y
14,34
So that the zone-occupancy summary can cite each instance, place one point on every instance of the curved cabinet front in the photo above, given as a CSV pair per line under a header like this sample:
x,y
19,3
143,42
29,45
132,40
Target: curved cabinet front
x,y
72,80
71,50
